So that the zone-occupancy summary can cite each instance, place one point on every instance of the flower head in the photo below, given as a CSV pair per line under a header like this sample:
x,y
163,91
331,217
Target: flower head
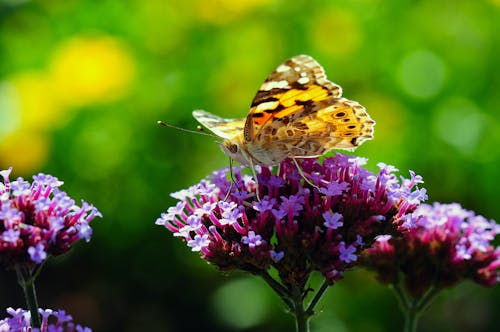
x,y
295,227
59,321
38,219
441,245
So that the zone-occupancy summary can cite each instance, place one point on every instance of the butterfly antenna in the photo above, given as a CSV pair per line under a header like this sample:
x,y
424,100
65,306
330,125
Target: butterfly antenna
x,y
199,132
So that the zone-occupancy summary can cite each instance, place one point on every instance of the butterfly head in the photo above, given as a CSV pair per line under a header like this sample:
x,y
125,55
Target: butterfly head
x,y
235,151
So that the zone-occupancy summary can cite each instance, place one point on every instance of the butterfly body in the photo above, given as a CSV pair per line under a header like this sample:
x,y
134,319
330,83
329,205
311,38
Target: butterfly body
x,y
297,113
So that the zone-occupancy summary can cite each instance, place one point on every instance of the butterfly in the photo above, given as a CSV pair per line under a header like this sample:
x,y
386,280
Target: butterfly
x,y
297,113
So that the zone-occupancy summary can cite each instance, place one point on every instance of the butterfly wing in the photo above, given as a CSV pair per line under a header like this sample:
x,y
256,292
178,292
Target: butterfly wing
x,y
298,78
224,128
316,128
298,112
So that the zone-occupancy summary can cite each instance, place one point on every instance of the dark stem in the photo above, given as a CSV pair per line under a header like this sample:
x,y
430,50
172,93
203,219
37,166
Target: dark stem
x,y
26,278
403,300
316,298
411,318
301,316
408,307
281,290
413,308
427,298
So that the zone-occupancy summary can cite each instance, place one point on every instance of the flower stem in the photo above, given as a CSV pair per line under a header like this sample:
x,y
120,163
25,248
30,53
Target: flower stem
x,y
411,319
27,281
281,290
427,298
413,308
316,298
403,300
301,315
294,299
409,307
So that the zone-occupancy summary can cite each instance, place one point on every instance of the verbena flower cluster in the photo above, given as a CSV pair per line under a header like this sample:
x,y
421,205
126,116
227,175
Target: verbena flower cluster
x,y
295,227
38,219
52,321
442,245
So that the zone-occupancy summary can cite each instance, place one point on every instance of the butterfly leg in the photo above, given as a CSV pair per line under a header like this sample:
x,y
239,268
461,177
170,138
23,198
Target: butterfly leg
x,y
256,180
233,180
303,175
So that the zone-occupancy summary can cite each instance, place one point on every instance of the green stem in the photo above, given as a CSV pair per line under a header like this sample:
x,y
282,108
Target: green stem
x,y
403,300
281,290
294,299
413,308
316,298
301,316
411,318
408,307
427,298
26,279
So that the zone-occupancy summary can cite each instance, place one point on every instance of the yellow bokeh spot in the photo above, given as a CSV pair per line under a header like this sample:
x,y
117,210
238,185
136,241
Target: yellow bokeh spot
x,y
91,69
36,101
225,11
336,33
389,114
26,151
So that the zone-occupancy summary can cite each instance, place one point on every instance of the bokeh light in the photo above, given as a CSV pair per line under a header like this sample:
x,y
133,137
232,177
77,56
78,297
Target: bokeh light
x,y
421,74
91,69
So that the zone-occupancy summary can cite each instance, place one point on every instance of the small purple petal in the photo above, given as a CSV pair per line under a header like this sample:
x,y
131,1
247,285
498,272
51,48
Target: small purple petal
x,y
199,242
347,254
252,239
11,235
332,220
37,253
277,256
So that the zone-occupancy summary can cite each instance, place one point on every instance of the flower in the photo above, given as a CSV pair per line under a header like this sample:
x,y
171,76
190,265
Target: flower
x,y
295,227
59,321
38,219
442,245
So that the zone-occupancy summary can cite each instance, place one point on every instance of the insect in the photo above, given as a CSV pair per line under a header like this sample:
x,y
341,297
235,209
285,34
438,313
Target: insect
x,y
297,113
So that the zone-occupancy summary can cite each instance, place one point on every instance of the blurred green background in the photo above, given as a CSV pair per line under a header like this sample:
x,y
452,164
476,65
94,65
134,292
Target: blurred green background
x,y
82,84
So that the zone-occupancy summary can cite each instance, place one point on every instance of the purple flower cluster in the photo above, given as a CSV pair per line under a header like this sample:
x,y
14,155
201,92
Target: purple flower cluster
x,y
52,321
38,219
295,227
442,245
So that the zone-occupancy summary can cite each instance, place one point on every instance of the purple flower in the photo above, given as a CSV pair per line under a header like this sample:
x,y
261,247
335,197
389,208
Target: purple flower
x,y
332,220
347,253
335,188
11,235
37,253
277,256
265,205
440,246
39,219
296,228
199,242
52,320
252,240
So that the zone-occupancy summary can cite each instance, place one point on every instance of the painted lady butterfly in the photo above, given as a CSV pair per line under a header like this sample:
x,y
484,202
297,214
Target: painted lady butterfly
x,y
297,113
